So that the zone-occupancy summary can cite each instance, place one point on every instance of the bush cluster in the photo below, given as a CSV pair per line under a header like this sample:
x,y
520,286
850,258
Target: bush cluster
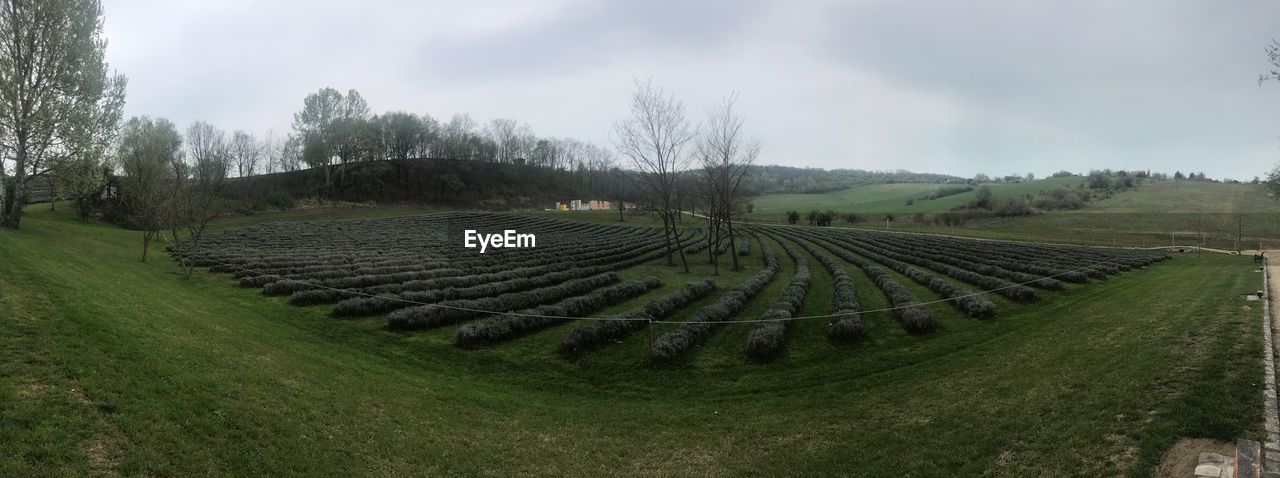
x,y
596,334
429,316
847,325
768,337
912,316
509,326
1001,286
706,320
972,305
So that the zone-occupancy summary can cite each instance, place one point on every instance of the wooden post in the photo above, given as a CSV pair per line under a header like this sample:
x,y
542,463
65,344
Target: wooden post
x,y
649,327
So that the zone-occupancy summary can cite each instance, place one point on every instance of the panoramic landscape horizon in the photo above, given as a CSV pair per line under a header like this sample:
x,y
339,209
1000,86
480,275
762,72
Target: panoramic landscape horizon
x,y
568,238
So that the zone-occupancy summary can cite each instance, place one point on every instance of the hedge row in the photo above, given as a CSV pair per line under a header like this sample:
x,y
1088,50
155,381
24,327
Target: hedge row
x,y
967,301
429,316
769,336
912,315
509,326
597,334
999,286
846,325
967,263
707,319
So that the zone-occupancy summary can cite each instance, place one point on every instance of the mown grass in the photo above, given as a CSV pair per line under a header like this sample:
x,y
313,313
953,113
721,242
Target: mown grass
x,y
1158,213
111,365
892,198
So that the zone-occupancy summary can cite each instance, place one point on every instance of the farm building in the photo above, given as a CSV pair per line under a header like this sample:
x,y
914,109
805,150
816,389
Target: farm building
x,y
587,205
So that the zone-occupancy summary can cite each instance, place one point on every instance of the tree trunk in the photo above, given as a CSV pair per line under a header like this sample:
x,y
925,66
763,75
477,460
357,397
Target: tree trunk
x,y
14,218
4,193
146,243
733,246
683,261
711,252
667,226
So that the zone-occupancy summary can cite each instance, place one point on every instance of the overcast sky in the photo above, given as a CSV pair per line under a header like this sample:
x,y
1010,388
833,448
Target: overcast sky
x,y
998,87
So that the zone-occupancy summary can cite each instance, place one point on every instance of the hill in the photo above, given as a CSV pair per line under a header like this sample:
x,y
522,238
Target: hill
x,y
879,199
1156,213
450,182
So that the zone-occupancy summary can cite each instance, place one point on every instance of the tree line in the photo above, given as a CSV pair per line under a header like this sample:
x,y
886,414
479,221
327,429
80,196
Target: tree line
x,y
61,119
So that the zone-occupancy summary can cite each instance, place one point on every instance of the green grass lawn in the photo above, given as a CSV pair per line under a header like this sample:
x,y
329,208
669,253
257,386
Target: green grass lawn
x,y
1155,214
111,365
879,199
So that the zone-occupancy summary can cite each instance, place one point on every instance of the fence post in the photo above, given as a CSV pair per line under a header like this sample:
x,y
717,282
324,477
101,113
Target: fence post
x,y
649,329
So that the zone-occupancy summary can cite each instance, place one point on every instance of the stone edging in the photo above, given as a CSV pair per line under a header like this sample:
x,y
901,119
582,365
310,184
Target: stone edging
x,y
1271,419
1271,413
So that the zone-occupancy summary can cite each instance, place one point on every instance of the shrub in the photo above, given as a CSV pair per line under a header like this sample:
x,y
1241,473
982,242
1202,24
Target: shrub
x,y
508,326
911,315
768,337
429,316
279,199
848,325
706,320
1010,207
602,332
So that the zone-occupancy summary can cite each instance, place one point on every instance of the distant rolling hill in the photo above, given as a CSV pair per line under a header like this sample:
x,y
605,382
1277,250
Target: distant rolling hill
x,y
1156,213
892,198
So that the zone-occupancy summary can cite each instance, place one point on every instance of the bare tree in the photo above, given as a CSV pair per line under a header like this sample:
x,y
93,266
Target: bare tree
x,y
505,133
206,144
654,139
620,186
270,152
454,140
54,86
196,198
726,155
1273,56
246,153
290,154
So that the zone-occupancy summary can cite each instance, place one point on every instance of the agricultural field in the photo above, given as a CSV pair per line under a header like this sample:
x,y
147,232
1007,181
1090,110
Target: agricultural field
x,y
1157,213
189,376
415,272
892,198
411,252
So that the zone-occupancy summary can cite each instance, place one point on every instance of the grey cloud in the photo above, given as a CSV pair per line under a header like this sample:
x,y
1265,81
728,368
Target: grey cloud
x,y
955,87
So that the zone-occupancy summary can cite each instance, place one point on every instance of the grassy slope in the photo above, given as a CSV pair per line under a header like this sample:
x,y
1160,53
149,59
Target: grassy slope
x,y
110,364
1144,217
892,198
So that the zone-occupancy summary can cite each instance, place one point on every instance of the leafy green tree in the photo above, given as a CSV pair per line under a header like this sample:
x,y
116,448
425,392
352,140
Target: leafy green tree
x,y
150,153
327,127
58,105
